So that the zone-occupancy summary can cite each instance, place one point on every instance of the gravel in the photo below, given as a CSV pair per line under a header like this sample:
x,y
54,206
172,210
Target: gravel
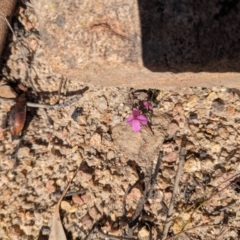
x,y
111,157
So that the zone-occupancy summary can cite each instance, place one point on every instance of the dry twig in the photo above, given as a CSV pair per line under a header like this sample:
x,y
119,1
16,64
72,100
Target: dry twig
x,y
182,155
201,226
97,230
60,89
149,185
109,236
46,106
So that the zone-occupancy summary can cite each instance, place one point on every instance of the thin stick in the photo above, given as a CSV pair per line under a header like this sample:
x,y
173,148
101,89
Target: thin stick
x,y
59,89
97,229
182,155
47,106
67,187
124,210
154,177
9,25
21,49
89,236
80,192
149,185
203,225
109,236
56,106
215,191
14,155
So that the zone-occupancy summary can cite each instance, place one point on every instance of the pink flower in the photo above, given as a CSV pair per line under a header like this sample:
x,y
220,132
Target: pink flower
x,y
148,105
136,119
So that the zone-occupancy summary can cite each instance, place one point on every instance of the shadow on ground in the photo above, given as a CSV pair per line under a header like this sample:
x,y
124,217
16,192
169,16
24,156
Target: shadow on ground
x,y
190,35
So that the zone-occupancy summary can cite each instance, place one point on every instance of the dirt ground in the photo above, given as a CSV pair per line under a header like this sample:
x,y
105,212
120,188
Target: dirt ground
x,y
124,180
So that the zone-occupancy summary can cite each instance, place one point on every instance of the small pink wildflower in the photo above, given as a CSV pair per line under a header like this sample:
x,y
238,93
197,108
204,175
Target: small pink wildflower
x,y
136,119
148,105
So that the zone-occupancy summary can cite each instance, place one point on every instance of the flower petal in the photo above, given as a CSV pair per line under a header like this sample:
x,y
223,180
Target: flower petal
x,y
136,126
148,105
129,120
135,113
142,119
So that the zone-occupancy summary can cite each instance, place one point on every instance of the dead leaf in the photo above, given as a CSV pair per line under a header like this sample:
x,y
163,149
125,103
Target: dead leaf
x,y
57,231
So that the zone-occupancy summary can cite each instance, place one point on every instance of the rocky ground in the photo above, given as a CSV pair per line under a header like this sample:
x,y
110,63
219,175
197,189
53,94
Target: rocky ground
x,y
116,193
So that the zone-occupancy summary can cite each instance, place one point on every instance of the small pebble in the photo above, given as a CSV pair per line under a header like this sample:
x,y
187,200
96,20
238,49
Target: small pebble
x,y
23,152
7,92
193,116
218,104
45,230
202,153
143,234
102,104
77,112
65,206
110,155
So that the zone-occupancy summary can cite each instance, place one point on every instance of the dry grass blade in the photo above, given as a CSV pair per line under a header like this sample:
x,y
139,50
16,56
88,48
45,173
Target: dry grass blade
x,y
57,231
